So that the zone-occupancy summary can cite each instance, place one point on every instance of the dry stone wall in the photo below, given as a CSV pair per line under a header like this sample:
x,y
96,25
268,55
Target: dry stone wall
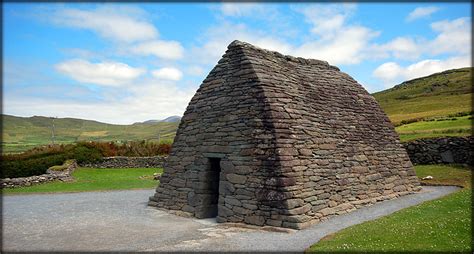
x,y
295,140
50,175
128,162
456,150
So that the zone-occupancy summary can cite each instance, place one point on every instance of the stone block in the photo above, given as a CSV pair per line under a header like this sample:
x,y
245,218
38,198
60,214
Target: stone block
x,y
237,179
255,220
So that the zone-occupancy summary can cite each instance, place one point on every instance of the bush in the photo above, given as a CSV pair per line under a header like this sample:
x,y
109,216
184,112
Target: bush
x,y
414,120
84,154
37,160
30,166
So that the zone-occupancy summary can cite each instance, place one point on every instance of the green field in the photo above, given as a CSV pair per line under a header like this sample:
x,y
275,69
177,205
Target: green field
x,y
456,126
21,133
93,179
442,225
436,95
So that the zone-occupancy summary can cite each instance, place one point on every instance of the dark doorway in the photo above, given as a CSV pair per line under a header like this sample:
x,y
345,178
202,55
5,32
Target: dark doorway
x,y
214,171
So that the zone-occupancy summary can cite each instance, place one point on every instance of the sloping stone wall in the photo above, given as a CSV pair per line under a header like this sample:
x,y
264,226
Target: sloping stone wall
x,y
128,162
456,150
297,141
50,175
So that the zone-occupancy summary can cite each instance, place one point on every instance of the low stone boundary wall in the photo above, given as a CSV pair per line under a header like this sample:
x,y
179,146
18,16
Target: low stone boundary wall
x,y
128,162
441,150
50,175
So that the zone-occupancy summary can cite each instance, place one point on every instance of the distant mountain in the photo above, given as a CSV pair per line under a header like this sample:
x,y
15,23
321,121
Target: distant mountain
x,y
149,122
171,119
437,95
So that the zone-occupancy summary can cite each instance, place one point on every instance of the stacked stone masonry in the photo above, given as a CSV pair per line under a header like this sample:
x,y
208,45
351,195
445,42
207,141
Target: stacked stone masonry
x,y
128,162
51,175
276,140
456,150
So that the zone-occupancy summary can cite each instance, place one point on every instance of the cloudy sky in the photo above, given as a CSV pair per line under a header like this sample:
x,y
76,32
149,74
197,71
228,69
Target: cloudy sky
x,y
124,63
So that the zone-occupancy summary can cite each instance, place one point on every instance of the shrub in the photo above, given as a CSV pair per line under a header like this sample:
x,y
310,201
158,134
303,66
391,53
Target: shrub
x,y
85,154
37,160
30,166
414,120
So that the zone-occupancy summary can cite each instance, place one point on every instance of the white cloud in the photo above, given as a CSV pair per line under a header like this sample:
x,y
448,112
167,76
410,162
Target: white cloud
x,y
391,73
327,19
337,42
195,70
346,47
105,73
421,12
400,47
240,9
152,99
454,36
110,23
162,49
219,37
168,73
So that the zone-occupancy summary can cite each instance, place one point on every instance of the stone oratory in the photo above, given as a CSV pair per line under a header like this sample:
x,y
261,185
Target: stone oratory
x,y
271,139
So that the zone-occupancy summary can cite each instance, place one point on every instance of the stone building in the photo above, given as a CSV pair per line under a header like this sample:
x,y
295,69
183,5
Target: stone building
x,y
271,139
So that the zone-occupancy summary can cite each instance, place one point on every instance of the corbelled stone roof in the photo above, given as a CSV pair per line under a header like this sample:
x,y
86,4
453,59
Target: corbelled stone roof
x,y
288,141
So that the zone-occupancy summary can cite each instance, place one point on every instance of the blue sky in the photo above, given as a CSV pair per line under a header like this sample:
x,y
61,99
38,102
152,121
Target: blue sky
x,y
124,63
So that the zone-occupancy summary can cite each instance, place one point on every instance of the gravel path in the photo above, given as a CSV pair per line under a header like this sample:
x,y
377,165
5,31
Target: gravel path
x,y
121,221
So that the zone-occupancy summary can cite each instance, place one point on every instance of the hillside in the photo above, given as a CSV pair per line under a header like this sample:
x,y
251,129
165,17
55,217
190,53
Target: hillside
x,y
22,133
437,95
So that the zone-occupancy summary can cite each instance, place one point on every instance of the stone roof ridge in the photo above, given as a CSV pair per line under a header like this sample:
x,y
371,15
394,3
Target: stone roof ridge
x,y
301,60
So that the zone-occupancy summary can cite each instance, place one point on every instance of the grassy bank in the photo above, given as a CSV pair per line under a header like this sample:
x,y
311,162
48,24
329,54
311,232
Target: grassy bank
x,y
455,126
93,179
442,225
436,95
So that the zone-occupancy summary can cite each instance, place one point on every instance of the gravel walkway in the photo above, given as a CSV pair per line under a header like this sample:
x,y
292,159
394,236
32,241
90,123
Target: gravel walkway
x,y
121,221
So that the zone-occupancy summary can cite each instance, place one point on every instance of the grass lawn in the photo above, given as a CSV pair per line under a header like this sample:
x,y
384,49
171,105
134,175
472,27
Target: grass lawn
x,y
442,225
461,126
94,179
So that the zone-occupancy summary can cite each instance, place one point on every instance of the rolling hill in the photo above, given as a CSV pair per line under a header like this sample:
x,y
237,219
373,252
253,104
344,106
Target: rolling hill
x,y
22,133
437,95
435,99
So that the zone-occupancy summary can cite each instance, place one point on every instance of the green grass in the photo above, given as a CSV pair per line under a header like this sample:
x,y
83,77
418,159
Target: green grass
x,y
445,175
93,179
461,126
442,225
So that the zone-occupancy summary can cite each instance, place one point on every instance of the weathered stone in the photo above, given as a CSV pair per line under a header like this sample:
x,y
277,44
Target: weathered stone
x,y
292,203
238,179
327,211
299,210
232,201
282,141
128,162
255,220
224,211
305,152
242,211
441,150
274,223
